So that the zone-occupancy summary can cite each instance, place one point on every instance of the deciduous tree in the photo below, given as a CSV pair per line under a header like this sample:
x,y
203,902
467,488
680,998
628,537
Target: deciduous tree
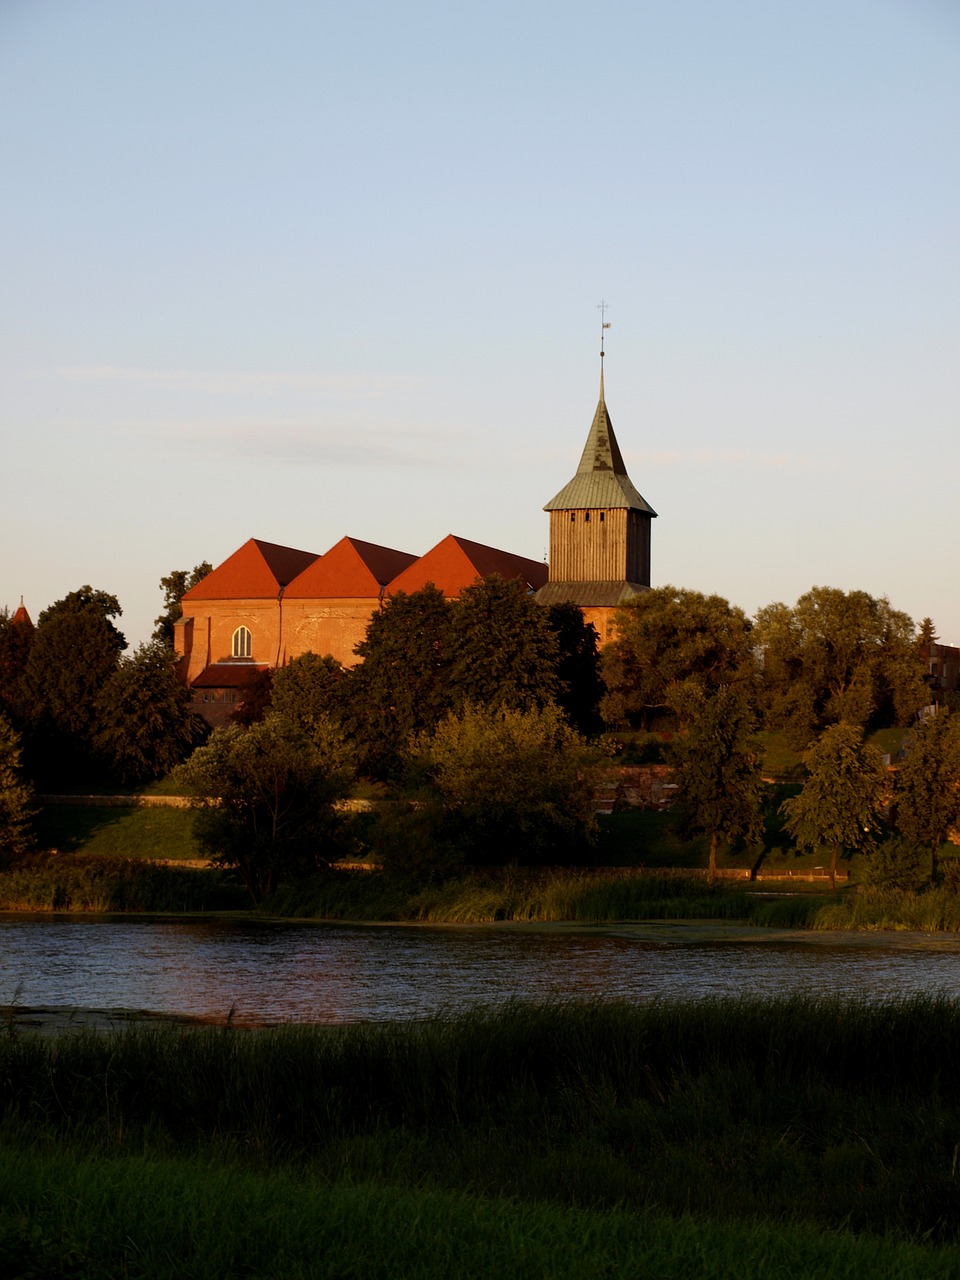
x,y
16,835
267,799
717,768
579,683
927,784
145,724
842,797
309,690
837,656
672,645
515,785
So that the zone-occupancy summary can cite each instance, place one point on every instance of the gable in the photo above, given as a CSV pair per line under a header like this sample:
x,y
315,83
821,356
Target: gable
x,y
456,563
351,569
257,570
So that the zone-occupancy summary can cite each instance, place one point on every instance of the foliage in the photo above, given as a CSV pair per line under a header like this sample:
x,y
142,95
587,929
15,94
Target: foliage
x,y
927,783
718,771
81,882
74,653
840,802
580,685
267,799
837,656
309,690
515,785
16,639
504,650
16,834
402,687
893,864
256,699
672,645
174,586
145,725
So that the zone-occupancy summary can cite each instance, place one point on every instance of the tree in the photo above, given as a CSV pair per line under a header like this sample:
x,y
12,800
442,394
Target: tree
x,y
514,785
174,586
309,690
671,646
145,724
16,836
842,797
927,784
16,638
580,686
402,687
74,653
504,651
837,656
717,769
267,798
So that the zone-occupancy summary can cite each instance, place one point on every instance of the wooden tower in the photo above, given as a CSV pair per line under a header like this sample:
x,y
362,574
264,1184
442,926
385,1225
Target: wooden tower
x,y
599,531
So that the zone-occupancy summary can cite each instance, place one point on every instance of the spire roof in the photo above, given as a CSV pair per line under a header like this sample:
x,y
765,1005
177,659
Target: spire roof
x,y
601,480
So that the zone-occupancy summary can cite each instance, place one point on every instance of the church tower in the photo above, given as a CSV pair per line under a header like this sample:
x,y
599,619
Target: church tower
x,y
599,531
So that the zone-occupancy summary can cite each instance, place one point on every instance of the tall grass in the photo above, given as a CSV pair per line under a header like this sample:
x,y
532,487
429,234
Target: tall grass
x,y
932,910
834,1113
74,882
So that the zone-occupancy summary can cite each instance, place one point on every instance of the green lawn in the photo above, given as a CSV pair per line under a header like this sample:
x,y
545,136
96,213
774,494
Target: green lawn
x,y
117,832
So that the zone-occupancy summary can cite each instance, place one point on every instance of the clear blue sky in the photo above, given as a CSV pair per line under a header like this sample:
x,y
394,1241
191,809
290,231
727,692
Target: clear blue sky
x,y
294,270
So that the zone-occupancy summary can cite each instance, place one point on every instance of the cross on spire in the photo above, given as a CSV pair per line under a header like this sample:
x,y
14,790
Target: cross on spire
x,y
603,307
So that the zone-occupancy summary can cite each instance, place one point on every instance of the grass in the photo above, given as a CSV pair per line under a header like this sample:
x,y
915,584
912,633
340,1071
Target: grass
x,y
107,832
830,1115
175,1219
71,882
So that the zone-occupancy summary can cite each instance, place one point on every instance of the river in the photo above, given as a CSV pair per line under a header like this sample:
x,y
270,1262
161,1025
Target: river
x,y
86,970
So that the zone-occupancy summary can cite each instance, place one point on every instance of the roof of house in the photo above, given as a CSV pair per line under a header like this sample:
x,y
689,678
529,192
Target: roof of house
x,y
351,569
601,480
257,570
228,675
21,617
456,563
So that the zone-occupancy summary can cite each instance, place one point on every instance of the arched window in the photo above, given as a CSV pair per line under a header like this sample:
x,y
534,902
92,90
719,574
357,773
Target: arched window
x,y
242,648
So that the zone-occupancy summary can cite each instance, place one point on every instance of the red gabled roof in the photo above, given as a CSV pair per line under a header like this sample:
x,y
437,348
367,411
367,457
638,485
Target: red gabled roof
x,y
350,570
456,563
257,569
228,675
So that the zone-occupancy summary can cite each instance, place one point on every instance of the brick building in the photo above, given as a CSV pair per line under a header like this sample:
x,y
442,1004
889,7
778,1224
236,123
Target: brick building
x,y
267,603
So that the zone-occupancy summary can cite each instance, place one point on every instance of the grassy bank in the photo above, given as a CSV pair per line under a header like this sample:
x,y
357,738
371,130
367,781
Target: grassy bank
x,y
828,1115
103,831
77,882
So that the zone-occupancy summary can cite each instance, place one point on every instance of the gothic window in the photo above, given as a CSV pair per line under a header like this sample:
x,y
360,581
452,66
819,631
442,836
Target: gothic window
x,y
242,647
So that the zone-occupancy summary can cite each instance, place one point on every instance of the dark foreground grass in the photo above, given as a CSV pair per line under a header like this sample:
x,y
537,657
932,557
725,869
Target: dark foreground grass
x,y
176,1219
833,1114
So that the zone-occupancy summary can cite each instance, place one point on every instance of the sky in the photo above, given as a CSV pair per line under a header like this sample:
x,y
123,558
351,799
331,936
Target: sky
x,y
295,270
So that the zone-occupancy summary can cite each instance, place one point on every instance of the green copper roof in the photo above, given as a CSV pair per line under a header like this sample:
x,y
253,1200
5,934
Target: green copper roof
x,y
601,479
589,594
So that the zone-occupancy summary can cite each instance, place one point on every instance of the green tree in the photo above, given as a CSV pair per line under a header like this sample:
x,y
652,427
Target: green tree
x,y
842,797
145,724
174,586
837,656
16,835
74,653
267,798
673,645
927,784
717,769
579,683
504,651
402,686
514,785
309,690
16,639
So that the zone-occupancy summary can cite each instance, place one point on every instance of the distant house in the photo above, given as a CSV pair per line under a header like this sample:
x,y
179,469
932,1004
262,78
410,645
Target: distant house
x,y
267,604
942,665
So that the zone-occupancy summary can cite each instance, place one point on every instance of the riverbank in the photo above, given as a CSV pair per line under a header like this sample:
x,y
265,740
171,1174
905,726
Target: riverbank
x,y
632,1136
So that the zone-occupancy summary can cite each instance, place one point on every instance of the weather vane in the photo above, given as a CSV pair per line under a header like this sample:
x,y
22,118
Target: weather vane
x,y
603,306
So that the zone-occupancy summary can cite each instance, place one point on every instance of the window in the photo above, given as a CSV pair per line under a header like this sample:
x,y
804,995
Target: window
x,y
242,647
587,517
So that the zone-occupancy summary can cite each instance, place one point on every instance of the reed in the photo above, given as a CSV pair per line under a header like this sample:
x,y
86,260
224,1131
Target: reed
x,y
76,882
829,1112
932,910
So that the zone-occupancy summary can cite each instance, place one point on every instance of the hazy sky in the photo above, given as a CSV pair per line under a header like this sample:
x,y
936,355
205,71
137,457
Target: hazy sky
x,y
294,270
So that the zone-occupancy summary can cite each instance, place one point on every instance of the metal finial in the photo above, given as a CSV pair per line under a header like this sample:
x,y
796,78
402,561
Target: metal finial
x,y
603,306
